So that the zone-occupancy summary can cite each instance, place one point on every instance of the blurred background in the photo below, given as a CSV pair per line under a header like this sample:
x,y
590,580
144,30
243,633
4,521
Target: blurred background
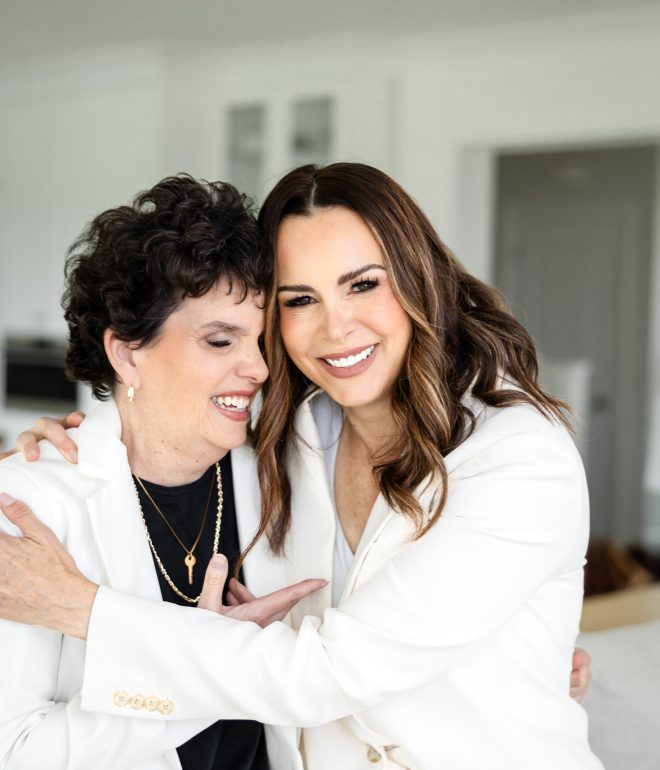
x,y
529,133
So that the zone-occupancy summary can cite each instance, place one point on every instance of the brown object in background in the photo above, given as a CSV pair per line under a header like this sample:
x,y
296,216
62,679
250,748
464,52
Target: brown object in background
x,y
629,607
611,567
648,559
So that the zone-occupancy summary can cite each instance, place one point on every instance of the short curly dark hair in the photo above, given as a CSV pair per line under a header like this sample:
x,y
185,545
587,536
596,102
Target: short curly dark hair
x,y
133,266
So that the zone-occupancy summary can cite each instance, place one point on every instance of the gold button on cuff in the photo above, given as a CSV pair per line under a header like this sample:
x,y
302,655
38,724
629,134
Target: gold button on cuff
x,y
373,755
120,698
137,701
166,707
151,703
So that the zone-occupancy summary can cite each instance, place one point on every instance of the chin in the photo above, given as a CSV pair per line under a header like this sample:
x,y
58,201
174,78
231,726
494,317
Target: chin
x,y
233,440
356,397
225,440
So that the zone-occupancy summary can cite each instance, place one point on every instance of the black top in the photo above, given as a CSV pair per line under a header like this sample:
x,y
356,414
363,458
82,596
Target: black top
x,y
228,744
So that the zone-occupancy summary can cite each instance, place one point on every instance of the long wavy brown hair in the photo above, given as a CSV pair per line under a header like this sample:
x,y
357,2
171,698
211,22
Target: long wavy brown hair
x,y
463,339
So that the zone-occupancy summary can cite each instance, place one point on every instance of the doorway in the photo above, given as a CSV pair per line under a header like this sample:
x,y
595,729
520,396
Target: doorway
x,y
573,254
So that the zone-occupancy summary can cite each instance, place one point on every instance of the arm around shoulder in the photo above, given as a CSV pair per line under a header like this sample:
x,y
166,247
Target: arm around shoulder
x,y
515,520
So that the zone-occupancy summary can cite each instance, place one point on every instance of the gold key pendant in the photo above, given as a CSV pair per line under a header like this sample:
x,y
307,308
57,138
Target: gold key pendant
x,y
190,562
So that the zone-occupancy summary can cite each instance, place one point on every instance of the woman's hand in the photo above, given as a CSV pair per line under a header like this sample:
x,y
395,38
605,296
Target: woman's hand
x,y
51,429
243,605
40,583
581,675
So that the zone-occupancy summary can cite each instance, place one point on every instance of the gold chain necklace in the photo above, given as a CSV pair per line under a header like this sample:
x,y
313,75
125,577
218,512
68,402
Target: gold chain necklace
x,y
190,559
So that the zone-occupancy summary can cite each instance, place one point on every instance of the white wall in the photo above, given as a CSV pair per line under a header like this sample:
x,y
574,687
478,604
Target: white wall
x,y
76,136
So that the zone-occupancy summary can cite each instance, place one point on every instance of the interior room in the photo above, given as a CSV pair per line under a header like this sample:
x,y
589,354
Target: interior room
x,y
528,132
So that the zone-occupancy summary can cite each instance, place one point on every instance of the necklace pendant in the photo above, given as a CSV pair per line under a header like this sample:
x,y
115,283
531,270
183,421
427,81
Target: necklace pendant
x,y
189,559
190,562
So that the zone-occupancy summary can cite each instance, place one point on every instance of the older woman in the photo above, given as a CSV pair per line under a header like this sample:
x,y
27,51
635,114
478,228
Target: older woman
x,y
165,311
407,451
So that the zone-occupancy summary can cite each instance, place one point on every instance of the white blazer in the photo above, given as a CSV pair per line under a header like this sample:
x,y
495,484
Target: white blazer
x,y
92,508
450,651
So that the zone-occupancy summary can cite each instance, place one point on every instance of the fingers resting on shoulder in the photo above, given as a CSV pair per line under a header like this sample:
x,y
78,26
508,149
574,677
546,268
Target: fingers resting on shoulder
x,y
53,430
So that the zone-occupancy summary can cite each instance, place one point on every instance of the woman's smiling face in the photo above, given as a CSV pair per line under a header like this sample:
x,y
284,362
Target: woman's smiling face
x,y
340,321
200,375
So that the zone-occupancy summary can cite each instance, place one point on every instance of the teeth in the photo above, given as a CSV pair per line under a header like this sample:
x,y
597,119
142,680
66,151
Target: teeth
x,y
238,403
345,363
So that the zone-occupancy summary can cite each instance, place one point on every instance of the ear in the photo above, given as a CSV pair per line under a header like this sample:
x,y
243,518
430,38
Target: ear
x,y
121,357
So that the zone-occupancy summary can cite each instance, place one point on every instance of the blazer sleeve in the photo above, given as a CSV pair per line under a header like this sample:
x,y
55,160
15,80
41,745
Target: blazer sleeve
x,y
516,519
36,729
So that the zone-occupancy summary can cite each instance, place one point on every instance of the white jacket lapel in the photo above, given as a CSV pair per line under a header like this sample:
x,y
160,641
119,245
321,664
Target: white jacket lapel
x,y
388,531
114,514
263,573
311,539
262,570
380,516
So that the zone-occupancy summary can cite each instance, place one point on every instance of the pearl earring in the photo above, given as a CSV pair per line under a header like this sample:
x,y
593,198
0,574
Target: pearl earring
x,y
130,394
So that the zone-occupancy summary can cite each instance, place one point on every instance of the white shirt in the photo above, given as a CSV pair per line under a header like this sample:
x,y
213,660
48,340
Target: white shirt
x,y
329,421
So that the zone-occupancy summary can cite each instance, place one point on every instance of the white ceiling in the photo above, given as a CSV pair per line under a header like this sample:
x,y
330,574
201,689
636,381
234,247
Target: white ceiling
x,y
32,27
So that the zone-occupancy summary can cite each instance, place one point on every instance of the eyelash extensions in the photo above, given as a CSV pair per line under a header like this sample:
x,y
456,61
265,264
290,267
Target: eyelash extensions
x,y
358,287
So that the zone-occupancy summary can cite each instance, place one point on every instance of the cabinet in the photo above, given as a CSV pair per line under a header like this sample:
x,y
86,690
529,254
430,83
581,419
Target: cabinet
x,y
299,107
263,140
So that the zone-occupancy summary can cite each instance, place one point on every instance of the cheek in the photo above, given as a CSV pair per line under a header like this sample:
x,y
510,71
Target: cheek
x,y
393,318
191,378
158,378
292,334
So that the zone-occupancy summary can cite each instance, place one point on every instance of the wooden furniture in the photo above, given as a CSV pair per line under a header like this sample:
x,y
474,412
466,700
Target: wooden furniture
x,y
621,608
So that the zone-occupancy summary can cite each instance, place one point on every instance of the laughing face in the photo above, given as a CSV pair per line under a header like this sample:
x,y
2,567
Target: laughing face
x,y
199,377
340,322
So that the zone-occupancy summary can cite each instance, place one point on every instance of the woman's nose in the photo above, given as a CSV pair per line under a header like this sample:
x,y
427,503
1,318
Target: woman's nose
x,y
338,323
254,366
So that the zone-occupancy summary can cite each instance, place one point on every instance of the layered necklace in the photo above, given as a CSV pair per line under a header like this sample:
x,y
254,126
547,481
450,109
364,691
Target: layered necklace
x,y
189,560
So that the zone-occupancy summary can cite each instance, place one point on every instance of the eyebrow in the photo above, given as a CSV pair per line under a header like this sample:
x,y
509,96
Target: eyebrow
x,y
222,326
345,278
